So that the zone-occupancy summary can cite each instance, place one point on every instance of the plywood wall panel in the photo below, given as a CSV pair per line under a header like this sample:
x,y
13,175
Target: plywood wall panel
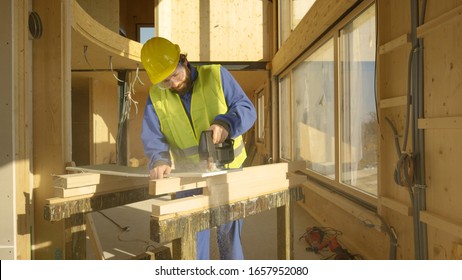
x,y
389,13
437,8
393,83
443,71
135,145
388,154
443,172
217,30
104,123
105,12
443,245
394,73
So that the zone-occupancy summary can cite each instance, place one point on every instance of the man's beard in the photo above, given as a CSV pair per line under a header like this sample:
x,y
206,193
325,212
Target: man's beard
x,y
184,87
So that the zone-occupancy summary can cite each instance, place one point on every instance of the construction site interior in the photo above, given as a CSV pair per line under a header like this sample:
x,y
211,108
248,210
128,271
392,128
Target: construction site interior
x,y
354,155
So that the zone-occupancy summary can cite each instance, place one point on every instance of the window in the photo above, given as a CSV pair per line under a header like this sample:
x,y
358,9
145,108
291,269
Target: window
x,y
358,126
328,107
313,110
284,119
261,116
145,32
291,13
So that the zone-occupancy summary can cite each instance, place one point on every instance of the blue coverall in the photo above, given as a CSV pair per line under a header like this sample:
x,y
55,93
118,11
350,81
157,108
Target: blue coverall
x,y
240,117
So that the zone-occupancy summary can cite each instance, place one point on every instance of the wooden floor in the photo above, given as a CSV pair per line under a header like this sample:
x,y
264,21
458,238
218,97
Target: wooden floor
x,y
258,233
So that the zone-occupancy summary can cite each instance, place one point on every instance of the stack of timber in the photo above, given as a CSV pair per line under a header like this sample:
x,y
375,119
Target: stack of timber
x,y
88,183
248,183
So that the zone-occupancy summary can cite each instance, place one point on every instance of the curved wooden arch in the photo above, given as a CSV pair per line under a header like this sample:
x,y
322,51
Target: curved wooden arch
x,y
94,46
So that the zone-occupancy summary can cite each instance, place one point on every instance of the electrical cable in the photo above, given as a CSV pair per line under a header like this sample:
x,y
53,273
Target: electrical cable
x,y
124,229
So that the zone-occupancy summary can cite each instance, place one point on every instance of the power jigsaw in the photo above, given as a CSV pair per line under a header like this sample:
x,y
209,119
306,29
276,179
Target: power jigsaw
x,y
215,156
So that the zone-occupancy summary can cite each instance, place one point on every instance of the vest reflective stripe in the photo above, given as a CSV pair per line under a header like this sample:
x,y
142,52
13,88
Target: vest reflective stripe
x,y
182,133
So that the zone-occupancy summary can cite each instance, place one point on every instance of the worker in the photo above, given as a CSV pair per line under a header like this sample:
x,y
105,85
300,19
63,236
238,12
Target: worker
x,y
183,101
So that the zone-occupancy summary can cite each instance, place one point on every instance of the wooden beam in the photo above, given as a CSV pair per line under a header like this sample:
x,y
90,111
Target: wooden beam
x,y
107,184
395,43
440,123
441,222
219,194
62,192
173,184
396,205
267,171
112,169
318,20
452,15
74,180
393,102
94,46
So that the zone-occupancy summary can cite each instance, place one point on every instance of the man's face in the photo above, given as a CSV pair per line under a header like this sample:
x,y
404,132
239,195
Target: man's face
x,y
179,81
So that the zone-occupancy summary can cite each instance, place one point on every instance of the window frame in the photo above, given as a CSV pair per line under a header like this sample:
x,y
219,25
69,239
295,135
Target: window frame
x,y
142,25
333,33
287,76
261,115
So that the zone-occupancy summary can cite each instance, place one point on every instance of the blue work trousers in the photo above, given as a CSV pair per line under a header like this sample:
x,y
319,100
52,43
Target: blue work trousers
x,y
228,237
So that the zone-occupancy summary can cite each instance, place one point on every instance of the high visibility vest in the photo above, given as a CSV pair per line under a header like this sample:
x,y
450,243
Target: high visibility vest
x,y
182,133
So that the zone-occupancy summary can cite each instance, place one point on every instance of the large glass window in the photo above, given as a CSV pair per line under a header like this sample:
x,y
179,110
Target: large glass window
x,y
284,119
291,13
328,107
358,125
314,110
261,116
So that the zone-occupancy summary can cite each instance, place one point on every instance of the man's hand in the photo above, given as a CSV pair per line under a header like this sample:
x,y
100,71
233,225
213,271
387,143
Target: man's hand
x,y
219,133
159,171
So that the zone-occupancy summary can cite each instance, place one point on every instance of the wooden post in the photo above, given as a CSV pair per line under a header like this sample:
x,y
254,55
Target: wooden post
x,y
285,232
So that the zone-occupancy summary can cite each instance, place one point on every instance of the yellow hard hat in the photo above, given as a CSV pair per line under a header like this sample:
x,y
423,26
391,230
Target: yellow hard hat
x,y
160,58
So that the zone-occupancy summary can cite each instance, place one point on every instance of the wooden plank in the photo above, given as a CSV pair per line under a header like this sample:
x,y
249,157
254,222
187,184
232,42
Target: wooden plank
x,y
395,43
393,102
432,25
74,180
274,170
179,174
172,185
112,169
61,192
440,123
219,195
51,113
440,222
396,205
108,184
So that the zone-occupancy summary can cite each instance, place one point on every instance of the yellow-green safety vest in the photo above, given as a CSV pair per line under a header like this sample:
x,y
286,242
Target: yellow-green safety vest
x,y
208,101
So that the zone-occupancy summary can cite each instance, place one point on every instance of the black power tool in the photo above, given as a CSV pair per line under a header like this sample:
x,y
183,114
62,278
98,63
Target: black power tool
x,y
215,155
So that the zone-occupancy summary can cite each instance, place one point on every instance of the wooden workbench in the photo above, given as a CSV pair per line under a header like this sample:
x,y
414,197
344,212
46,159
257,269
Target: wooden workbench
x,y
181,228
227,198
